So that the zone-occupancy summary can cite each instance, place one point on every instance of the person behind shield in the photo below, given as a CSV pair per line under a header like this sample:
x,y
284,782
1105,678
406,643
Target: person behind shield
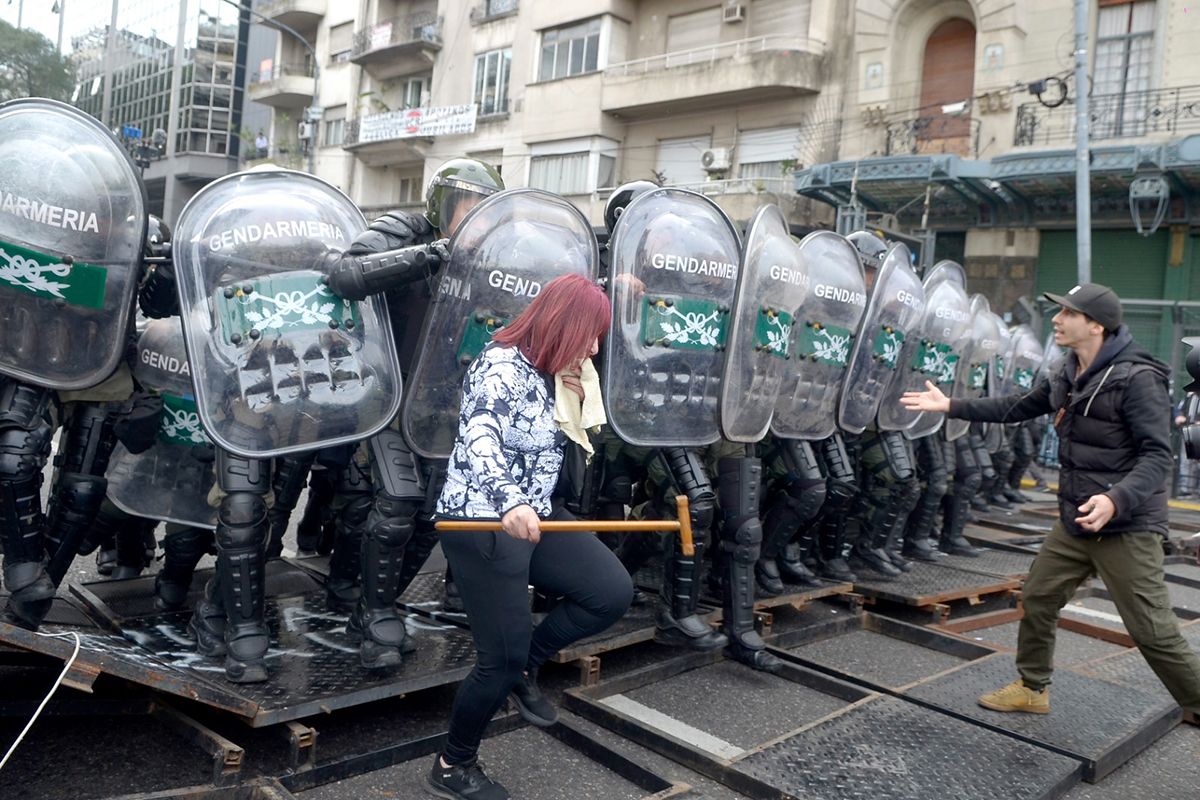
x,y
505,465
1109,398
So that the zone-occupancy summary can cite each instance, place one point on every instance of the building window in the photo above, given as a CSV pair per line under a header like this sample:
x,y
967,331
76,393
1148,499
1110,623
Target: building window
x,y
335,126
679,159
767,153
561,174
410,191
576,166
572,50
1124,56
491,81
416,92
341,41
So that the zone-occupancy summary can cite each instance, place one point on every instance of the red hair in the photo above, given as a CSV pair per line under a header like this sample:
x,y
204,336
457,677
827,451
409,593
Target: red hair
x,y
559,326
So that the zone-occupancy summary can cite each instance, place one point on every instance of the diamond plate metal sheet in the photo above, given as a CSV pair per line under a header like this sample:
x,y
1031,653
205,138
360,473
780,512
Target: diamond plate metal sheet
x,y
931,583
1129,668
877,658
990,561
1069,647
735,703
1169,770
312,662
1100,722
887,748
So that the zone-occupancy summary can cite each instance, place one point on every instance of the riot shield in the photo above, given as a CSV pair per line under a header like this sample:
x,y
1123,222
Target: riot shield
x,y
822,338
772,287
893,314
997,378
72,223
979,360
674,261
172,479
1025,358
936,353
502,254
280,364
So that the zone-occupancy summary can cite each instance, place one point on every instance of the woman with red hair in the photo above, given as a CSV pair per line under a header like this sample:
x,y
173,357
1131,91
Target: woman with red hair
x,y
505,465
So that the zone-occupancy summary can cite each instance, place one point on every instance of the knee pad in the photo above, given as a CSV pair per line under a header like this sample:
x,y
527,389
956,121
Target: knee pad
x,y
239,513
189,544
23,452
701,511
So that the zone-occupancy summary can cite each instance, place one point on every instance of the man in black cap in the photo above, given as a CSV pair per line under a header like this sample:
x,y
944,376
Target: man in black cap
x,y
1112,414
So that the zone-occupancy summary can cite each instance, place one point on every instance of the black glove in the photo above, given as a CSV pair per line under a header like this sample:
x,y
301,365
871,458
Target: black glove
x,y
156,294
137,427
392,231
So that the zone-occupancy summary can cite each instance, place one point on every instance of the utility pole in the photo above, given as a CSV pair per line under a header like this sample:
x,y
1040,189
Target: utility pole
x,y
61,5
110,45
1083,180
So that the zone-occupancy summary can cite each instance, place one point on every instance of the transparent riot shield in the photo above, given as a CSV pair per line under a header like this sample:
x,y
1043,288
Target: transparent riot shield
x,y
944,337
979,359
1025,358
893,314
280,363
172,479
72,223
772,287
674,262
997,378
502,254
822,338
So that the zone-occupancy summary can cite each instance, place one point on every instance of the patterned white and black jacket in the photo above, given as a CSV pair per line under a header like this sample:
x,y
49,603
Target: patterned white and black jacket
x,y
509,450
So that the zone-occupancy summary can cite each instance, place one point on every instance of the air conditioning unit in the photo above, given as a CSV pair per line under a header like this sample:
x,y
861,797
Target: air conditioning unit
x,y
733,13
305,131
716,159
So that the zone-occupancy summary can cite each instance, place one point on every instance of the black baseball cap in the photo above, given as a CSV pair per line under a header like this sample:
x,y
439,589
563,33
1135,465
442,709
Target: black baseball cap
x,y
1097,302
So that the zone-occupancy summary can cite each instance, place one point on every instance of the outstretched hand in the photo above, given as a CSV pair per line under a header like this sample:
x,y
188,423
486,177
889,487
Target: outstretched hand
x,y
933,399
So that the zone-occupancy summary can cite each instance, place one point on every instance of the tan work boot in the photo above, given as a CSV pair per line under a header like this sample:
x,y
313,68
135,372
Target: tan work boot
x,y
1017,697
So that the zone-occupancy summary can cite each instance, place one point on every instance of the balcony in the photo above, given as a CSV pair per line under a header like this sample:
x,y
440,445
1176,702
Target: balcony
x,y
733,73
490,10
933,135
383,152
284,86
1156,113
398,46
299,14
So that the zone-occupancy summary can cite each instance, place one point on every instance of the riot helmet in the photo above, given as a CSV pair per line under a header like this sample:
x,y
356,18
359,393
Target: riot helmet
x,y
158,238
871,250
622,196
456,187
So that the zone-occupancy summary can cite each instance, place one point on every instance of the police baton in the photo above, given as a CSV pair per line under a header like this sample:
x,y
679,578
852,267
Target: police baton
x,y
683,525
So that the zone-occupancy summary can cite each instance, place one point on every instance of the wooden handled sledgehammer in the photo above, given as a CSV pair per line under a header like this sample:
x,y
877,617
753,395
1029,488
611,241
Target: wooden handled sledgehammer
x,y
683,525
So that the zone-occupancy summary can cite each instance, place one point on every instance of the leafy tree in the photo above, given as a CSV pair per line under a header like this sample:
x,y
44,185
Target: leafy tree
x,y
30,66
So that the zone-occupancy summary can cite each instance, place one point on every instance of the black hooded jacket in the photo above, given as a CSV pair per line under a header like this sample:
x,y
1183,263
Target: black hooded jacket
x,y
1113,424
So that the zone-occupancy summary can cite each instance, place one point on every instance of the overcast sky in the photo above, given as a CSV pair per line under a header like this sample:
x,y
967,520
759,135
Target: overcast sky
x,y
37,15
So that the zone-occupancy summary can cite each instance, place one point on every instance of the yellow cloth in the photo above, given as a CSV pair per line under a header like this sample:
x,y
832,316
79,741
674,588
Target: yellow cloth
x,y
576,418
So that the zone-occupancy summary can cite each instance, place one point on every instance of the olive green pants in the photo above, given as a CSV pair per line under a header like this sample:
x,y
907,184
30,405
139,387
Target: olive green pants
x,y
1131,566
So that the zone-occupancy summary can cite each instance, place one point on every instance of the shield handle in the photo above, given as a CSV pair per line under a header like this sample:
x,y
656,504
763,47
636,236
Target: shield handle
x,y
683,525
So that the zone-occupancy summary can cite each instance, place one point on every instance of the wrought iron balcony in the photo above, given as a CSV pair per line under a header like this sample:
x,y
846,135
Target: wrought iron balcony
x,y
398,46
489,10
933,134
1112,116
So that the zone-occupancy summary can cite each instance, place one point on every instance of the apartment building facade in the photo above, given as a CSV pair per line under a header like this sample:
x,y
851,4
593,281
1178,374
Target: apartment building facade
x,y
951,120
575,96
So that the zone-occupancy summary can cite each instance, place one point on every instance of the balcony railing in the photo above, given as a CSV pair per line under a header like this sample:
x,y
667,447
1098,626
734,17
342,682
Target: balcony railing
x,y
782,184
1112,116
281,71
717,52
933,134
419,26
489,10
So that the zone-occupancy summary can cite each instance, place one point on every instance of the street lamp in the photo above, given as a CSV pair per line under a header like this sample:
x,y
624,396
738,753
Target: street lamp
x,y
312,113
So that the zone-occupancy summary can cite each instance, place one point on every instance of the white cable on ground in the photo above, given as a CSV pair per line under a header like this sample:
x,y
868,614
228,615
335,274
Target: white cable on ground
x,y
53,689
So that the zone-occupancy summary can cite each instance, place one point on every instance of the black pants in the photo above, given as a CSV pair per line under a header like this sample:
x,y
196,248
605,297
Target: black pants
x,y
493,572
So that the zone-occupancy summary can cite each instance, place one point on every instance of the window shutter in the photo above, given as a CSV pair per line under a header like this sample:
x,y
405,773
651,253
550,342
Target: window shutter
x,y
779,18
697,29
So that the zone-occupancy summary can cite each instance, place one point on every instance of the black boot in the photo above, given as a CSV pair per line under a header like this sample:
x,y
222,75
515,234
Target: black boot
x,y
375,618
741,536
792,567
678,624
182,551
207,624
291,473
31,592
